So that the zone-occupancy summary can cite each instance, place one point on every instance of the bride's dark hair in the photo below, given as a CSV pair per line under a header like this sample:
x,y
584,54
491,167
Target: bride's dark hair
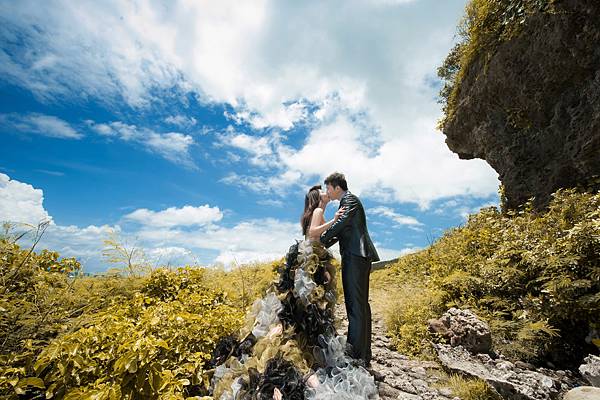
x,y
311,201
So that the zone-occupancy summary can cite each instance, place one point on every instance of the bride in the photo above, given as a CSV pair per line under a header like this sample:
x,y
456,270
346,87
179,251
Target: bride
x,y
313,219
289,347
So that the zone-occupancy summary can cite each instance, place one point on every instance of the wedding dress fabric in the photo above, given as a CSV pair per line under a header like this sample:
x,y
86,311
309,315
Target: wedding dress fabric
x,y
290,342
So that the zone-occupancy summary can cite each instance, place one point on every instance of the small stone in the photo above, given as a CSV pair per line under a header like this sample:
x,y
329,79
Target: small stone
x,y
419,370
590,369
408,396
525,365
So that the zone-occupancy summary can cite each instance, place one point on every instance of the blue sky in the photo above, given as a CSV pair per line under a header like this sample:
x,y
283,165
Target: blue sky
x,y
194,129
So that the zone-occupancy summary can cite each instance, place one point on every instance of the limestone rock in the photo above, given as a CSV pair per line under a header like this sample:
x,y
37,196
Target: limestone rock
x,y
508,380
583,393
532,111
590,370
462,327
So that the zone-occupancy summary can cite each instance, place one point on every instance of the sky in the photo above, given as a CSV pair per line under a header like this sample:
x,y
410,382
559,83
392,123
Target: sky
x,y
193,129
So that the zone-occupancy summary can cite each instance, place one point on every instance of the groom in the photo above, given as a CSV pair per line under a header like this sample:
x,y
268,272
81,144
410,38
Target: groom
x,y
357,253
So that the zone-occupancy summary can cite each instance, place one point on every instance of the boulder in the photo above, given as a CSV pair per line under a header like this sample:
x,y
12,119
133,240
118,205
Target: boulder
x,y
583,393
463,327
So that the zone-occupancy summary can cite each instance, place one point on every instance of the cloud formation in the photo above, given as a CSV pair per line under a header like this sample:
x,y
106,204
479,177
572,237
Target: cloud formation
x,y
21,202
368,88
173,216
398,219
173,146
39,124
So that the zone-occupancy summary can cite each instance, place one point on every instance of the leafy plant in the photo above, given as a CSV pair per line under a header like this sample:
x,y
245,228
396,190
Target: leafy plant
x,y
533,276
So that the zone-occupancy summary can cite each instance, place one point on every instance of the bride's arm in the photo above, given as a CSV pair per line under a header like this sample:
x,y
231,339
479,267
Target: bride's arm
x,y
316,230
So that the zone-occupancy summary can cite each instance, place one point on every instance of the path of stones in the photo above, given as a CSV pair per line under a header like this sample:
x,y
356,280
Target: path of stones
x,y
405,379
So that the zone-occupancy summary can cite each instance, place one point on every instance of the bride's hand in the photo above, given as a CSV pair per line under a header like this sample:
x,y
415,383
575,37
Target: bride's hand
x,y
339,213
277,394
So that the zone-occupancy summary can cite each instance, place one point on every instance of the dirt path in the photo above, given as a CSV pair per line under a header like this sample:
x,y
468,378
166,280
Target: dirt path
x,y
404,378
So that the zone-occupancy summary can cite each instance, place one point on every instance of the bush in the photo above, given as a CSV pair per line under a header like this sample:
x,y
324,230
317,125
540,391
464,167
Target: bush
x,y
471,389
41,297
533,276
407,319
68,336
147,347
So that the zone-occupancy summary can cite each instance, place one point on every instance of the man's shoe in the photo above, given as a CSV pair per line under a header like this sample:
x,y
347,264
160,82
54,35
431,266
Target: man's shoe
x,y
376,374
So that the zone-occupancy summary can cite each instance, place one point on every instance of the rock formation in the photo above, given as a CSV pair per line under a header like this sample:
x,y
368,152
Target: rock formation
x,y
510,380
529,104
590,370
462,327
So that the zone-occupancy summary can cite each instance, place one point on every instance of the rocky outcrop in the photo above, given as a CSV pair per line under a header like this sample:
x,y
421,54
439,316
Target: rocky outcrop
x,y
590,370
532,111
405,379
510,380
462,327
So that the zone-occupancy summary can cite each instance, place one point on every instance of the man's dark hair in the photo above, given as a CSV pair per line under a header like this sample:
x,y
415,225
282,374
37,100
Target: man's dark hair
x,y
337,179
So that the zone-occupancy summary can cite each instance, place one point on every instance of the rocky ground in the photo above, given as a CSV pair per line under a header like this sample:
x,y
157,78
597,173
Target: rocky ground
x,y
404,378
417,379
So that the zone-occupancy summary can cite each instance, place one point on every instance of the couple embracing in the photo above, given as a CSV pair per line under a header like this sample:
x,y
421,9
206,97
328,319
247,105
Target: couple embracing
x,y
349,228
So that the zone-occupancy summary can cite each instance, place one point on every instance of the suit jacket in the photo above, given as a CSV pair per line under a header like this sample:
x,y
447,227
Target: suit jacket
x,y
351,230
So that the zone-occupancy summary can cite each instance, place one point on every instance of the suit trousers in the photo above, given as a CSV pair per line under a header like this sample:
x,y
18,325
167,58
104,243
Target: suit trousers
x,y
356,271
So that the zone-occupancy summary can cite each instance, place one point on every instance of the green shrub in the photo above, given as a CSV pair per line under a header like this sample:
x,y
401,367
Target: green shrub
x,y
471,389
147,347
533,276
406,319
108,336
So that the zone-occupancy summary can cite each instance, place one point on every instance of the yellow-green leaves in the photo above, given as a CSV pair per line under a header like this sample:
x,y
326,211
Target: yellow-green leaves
x,y
534,277
32,381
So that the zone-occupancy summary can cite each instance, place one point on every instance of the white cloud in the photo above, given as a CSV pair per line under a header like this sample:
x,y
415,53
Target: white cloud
x,y
260,149
40,124
399,219
390,254
463,209
84,243
21,202
173,146
170,255
181,121
266,185
414,168
367,88
172,216
159,235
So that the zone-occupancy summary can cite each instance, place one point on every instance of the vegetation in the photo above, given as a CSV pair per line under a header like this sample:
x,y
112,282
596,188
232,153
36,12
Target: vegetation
x,y
535,277
64,335
471,389
485,25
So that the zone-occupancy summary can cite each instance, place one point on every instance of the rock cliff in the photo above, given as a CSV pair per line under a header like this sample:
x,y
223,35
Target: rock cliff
x,y
526,98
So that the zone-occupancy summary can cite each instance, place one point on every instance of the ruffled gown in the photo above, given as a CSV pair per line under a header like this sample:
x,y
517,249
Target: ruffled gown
x,y
290,342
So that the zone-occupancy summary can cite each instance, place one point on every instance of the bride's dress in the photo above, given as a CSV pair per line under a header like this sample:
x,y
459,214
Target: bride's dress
x,y
289,341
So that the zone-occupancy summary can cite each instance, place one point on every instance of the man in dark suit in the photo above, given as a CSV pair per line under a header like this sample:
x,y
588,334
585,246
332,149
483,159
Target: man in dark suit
x,y
358,252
